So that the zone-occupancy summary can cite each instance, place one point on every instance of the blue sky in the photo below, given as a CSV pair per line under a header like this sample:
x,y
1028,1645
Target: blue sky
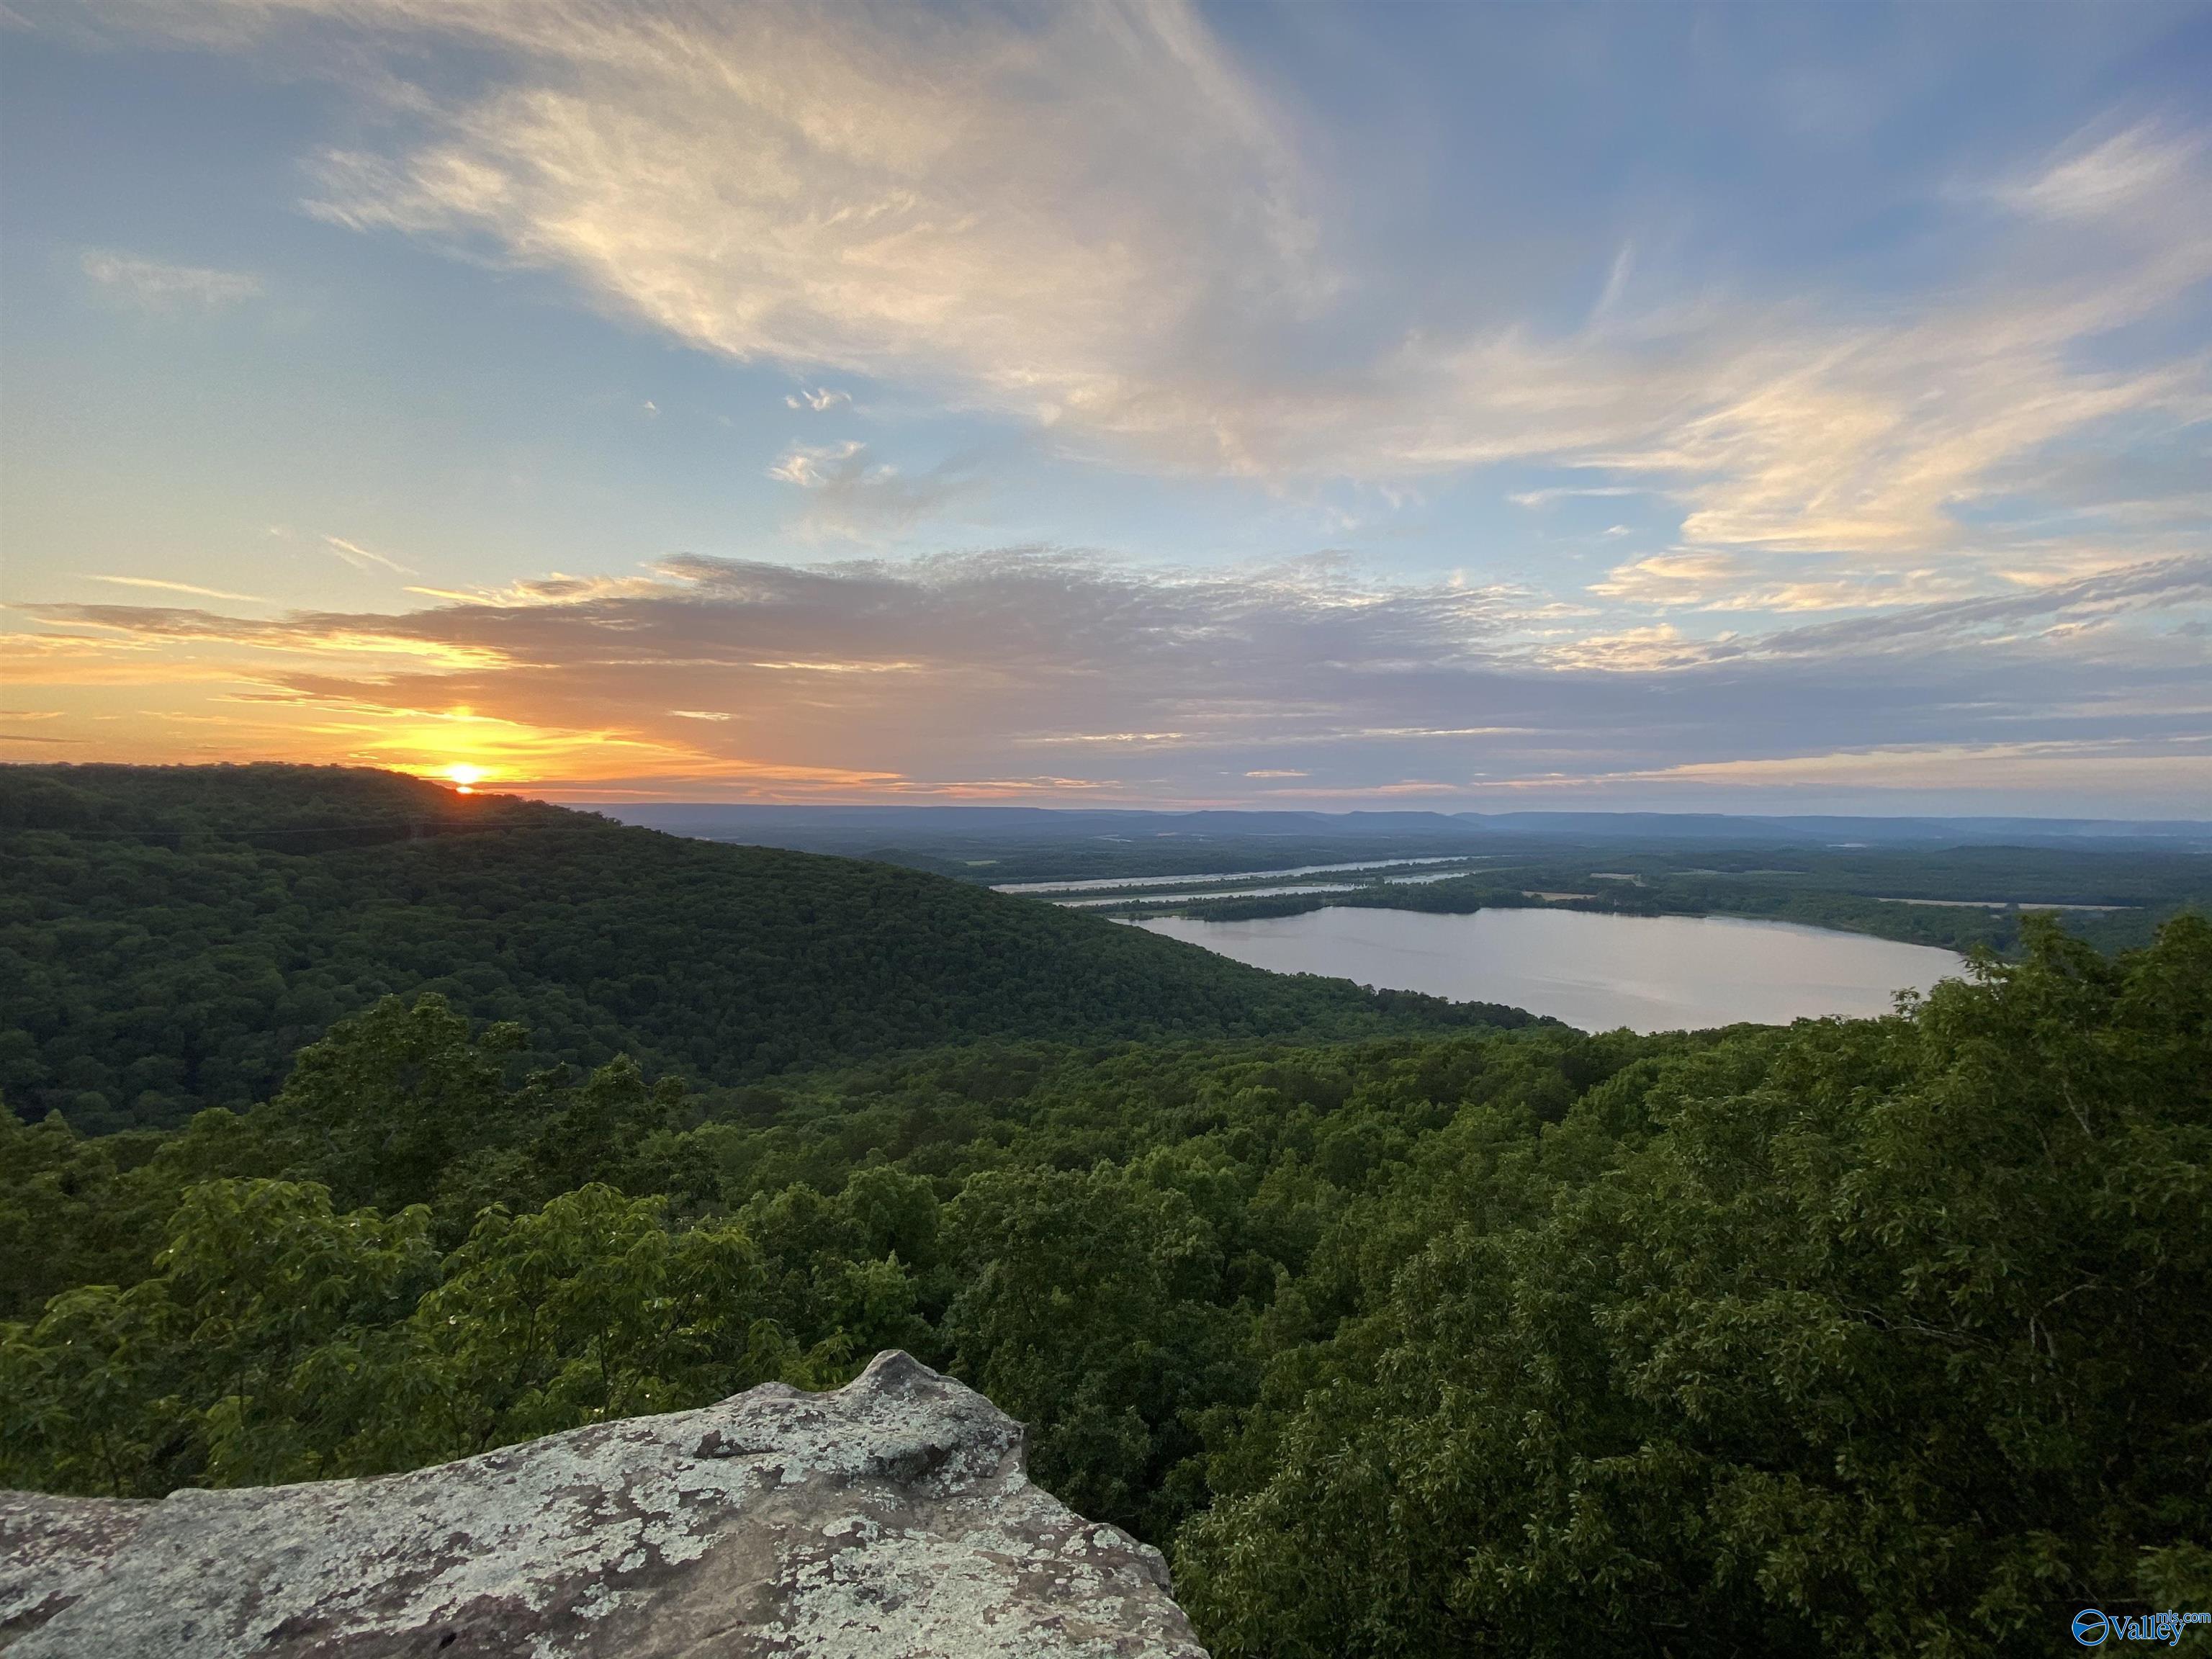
x,y
1778,409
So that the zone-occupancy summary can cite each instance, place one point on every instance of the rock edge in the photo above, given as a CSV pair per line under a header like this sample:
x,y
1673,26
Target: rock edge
x,y
890,1519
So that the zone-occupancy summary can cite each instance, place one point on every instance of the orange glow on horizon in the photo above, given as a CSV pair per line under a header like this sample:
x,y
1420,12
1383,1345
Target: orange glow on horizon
x,y
464,777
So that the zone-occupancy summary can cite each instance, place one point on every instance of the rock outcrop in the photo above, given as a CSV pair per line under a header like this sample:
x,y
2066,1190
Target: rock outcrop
x,y
889,1518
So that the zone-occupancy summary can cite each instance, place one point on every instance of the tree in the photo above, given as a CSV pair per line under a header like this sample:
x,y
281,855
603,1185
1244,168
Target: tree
x,y
1088,1310
588,1308
1899,1349
379,1108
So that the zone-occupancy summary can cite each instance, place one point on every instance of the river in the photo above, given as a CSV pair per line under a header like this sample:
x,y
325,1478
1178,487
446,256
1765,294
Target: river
x,y
1594,971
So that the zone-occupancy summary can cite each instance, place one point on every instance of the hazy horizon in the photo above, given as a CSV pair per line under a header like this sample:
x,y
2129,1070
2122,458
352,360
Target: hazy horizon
x,y
1780,411
570,798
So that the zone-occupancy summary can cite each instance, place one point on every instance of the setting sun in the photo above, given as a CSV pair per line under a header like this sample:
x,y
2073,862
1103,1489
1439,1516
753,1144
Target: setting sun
x,y
464,777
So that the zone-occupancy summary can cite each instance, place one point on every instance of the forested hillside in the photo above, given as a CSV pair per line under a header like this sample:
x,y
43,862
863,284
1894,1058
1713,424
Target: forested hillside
x,y
1883,1337
169,937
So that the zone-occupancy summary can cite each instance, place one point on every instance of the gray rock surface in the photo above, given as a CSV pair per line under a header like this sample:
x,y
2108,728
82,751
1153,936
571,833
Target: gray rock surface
x,y
889,1518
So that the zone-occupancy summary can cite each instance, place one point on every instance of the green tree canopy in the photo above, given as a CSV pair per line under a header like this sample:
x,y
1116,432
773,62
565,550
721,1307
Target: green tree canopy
x,y
1881,1337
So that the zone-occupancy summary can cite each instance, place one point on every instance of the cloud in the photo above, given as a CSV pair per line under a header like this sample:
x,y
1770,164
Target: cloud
x,y
2092,178
1533,498
1095,222
361,559
1687,580
2174,771
820,400
2059,608
1913,625
854,496
1020,209
935,678
1675,579
180,587
155,286
1115,738
819,468
1659,646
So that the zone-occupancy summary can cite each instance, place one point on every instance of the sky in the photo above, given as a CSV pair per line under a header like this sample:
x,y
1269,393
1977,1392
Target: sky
x,y
1743,409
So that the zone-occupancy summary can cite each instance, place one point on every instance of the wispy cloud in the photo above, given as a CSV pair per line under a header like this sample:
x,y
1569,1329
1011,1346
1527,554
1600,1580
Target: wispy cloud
x,y
2168,769
1095,221
157,286
821,399
1032,217
1544,497
2144,165
854,495
1019,209
1689,580
1675,579
2052,608
361,558
180,587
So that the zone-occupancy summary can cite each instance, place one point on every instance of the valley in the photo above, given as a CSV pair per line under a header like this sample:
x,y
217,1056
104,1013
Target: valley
x,y
1950,884
355,1126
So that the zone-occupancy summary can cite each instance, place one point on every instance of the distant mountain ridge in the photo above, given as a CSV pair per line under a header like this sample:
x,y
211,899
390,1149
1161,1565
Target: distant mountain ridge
x,y
1469,830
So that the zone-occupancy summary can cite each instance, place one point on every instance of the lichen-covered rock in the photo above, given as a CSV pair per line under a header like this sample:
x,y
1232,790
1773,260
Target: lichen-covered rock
x,y
889,1518
53,1551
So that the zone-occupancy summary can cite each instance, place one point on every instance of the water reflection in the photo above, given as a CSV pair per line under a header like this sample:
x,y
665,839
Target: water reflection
x,y
1650,973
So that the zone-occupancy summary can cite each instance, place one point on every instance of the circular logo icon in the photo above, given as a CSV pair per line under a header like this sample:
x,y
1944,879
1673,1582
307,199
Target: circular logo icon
x,y
2091,1627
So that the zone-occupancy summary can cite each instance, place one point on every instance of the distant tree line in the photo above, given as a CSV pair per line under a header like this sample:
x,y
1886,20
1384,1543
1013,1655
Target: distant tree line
x,y
1925,903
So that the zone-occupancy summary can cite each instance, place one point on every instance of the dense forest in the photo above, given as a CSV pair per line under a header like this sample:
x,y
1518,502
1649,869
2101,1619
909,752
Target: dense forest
x,y
349,1123
1877,1337
170,936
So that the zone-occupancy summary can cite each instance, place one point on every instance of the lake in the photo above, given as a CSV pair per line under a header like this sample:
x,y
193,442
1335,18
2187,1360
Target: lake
x,y
1597,972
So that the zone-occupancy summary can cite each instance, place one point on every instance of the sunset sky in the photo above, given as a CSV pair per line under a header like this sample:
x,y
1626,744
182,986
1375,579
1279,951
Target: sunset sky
x,y
1774,409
